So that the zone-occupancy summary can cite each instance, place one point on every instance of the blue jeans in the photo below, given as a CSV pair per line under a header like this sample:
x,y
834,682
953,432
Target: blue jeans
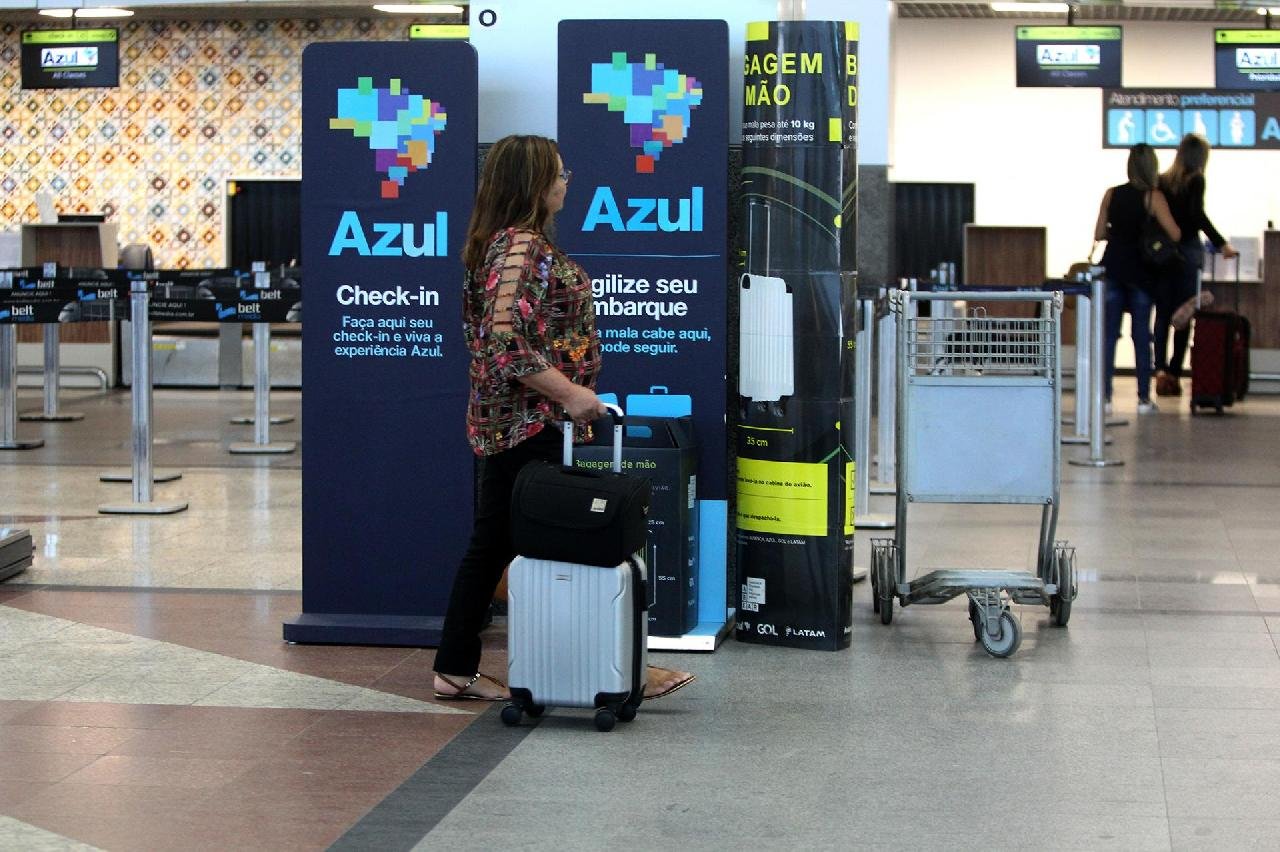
x,y
1134,300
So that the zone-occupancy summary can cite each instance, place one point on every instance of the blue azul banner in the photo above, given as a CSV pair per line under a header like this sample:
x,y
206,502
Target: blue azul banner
x,y
643,123
389,156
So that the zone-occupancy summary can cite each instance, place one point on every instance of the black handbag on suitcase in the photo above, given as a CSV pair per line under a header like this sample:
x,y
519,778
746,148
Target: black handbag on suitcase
x,y
574,514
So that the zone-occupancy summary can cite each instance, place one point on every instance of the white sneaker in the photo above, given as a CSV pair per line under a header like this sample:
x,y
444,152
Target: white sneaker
x,y
1107,409
1147,407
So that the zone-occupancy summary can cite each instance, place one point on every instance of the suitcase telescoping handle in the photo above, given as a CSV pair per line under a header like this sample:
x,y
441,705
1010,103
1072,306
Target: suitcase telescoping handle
x,y
619,422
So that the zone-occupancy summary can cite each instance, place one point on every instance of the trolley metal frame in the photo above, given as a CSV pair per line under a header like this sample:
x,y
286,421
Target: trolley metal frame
x,y
977,421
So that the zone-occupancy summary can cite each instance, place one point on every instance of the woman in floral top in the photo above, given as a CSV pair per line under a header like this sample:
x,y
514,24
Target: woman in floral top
x,y
531,331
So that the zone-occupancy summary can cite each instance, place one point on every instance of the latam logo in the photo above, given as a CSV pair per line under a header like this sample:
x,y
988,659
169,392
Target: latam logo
x,y
656,103
401,128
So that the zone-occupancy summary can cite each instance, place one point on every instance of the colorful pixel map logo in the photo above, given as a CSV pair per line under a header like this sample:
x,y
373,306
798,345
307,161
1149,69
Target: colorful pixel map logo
x,y
401,128
655,102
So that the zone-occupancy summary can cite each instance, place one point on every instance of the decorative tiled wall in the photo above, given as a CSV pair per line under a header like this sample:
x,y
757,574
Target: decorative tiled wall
x,y
198,102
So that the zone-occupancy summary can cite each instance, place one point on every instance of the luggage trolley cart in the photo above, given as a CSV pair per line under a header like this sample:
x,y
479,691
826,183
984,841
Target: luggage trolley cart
x,y
978,422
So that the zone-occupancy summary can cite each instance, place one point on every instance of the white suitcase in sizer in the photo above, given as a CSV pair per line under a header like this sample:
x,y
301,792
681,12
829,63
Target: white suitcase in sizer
x,y
766,341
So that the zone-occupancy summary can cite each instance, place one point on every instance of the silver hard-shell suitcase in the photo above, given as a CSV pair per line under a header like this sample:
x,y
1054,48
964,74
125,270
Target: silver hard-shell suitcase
x,y
577,634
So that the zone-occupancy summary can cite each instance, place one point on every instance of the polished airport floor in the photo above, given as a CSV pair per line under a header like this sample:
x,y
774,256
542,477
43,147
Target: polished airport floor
x,y
147,701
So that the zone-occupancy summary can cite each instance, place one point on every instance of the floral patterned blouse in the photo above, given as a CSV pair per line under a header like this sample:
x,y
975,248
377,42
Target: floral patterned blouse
x,y
527,308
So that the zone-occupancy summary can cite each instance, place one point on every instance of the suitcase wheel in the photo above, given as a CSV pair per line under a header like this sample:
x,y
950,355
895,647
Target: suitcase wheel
x,y
605,719
535,711
626,713
511,715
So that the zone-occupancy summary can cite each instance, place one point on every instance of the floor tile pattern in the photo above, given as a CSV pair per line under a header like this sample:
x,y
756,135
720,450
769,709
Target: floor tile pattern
x,y
1150,723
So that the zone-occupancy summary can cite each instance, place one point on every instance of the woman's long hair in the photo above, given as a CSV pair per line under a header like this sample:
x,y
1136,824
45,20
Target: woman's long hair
x,y
1191,159
517,174
1144,170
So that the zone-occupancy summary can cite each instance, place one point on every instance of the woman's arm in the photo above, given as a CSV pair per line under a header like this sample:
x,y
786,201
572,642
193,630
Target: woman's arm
x,y
580,403
1100,226
1201,218
1160,209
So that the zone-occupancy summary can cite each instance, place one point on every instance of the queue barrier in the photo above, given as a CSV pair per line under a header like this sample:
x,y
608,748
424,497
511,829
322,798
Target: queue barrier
x,y
50,296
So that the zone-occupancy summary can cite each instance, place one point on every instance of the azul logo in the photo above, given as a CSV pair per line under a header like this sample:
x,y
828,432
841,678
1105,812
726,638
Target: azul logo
x,y
656,102
69,57
644,214
1068,54
391,239
1257,59
401,128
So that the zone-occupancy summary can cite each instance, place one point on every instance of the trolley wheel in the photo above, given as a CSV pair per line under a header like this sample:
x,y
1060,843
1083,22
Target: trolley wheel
x,y
605,720
885,590
975,620
1007,641
511,715
626,713
1060,602
535,711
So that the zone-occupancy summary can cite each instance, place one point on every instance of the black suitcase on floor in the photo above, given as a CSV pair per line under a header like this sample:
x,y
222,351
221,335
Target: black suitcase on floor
x,y
579,515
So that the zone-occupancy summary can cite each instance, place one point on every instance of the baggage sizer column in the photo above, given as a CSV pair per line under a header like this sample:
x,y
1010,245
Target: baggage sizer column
x,y
795,444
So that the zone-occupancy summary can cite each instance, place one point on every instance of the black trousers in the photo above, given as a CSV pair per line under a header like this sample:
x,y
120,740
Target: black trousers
x,y
489,552
1178,286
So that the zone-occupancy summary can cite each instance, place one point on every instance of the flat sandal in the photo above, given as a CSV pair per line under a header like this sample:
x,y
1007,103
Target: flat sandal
x,y
461,693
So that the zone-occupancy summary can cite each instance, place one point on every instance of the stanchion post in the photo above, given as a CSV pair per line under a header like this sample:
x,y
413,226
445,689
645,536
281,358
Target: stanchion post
x,y
1097,380
260,275
52,369
262,443
1080,420
140,394
127,474
886,335
862,428
9,392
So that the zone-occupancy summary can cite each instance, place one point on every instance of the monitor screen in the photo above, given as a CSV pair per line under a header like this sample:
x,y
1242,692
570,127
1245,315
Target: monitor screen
x,y
1246,59
1069,56
70,59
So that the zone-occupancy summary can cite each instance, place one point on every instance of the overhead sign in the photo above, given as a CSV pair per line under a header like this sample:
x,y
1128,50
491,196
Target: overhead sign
x,y
68,59
1247,59
389,146
1161,117
1069,56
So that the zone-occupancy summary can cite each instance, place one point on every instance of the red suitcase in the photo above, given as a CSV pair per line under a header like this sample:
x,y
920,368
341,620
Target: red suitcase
x,y
1219,360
